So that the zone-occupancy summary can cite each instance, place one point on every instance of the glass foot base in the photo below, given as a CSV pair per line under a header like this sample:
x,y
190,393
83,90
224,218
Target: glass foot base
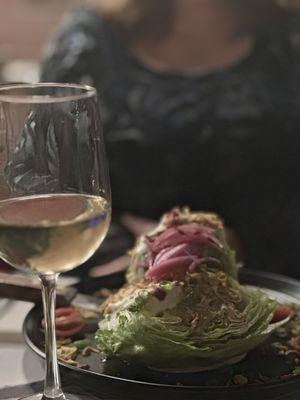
x,y
40,396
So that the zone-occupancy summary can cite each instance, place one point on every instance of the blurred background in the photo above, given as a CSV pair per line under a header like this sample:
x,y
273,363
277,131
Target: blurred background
x,y
25,28
234,108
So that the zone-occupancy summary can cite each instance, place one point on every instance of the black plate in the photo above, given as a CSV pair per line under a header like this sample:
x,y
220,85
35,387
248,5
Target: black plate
x,y
118,380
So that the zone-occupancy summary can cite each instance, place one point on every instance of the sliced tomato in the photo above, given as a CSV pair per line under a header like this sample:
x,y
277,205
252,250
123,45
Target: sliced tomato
x,y
67,312
281,312
72,329
68,322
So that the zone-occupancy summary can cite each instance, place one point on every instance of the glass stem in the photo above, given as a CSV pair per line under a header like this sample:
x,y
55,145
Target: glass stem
x,y
52,386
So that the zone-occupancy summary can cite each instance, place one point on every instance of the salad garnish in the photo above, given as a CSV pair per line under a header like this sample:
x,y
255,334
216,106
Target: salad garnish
x,y
183,307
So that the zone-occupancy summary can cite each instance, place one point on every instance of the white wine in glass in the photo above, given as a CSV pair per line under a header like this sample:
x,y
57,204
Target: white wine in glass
x,y
55,203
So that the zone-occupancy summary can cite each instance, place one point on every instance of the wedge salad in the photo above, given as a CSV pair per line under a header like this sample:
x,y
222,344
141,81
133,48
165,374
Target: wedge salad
x,y
183,308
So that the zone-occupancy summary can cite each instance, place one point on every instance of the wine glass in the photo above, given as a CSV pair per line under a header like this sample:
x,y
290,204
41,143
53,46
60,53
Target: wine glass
x,y
54,190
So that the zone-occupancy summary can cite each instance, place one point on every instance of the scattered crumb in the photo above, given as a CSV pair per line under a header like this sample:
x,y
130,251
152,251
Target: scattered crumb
x,y
67,353
240,379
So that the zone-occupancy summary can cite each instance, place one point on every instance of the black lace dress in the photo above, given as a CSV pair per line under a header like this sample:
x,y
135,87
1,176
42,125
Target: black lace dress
x,y
227,142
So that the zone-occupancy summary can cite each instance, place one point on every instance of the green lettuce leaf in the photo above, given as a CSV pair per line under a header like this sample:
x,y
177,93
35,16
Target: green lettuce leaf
x,y
208,321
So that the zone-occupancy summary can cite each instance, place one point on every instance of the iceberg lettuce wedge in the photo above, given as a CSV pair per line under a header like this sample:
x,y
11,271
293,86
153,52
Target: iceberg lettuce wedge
x,y
207,321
